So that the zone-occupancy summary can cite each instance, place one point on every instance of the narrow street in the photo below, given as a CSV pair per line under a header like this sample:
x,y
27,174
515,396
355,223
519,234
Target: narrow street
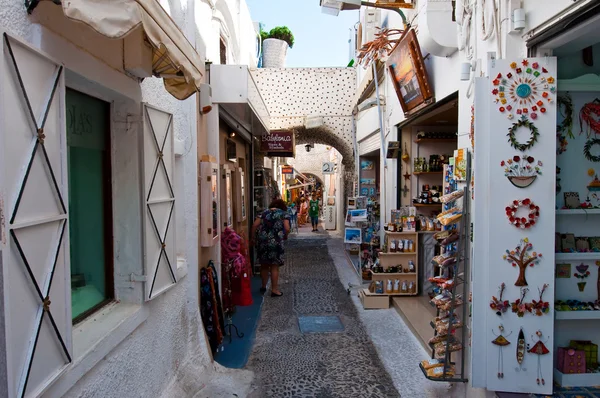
x,y
330,361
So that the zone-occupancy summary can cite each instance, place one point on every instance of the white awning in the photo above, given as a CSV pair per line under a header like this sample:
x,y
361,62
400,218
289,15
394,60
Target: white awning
x,y
173,57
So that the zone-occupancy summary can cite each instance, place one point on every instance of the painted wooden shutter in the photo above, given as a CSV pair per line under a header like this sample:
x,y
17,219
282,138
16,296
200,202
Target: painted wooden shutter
x,y
37,295
159,199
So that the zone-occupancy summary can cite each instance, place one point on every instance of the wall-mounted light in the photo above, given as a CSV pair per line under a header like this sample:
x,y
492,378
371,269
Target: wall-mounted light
x,y
518,19
205,98
231,133
465,70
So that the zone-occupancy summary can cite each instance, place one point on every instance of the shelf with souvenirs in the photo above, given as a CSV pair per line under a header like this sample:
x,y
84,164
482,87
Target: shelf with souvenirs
x,y
361,233
577,242
450,290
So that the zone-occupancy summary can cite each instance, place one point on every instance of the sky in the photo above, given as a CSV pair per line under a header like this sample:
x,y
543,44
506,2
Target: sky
x,y
319,39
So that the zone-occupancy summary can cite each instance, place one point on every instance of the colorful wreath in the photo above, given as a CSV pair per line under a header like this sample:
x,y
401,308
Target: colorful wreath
x,y
523,122
588,115
565,101
526,89
587,148
523,222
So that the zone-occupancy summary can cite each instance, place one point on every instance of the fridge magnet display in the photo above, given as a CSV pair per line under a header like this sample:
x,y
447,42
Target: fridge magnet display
x,y
582,273
587,149
367,165
524,88
539,349
521,171
565,128
563,271
501,342
523,222
534,134
353,235
588,116
540,307
500,305
521,257
521,351
520,306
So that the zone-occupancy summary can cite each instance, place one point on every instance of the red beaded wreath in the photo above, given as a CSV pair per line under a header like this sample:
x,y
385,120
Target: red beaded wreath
x,y
522,222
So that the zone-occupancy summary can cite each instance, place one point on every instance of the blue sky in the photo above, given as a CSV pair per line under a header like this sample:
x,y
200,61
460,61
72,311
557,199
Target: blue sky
x,y
320,39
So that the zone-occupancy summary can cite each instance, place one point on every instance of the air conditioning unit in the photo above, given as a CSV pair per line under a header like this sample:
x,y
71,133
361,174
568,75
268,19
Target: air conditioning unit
x,y
372,22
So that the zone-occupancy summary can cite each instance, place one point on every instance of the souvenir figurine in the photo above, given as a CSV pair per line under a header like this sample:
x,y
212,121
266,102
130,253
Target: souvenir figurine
x,y
500,341
539,349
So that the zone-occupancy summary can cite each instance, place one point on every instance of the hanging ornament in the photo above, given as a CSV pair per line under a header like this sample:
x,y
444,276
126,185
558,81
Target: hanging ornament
x,y
565,128
521,171
520,257
405,155
522,88
522,222
499,305
521,351
540,307
589,115
519,306
523,122
501,342
558,187
405,190
539,349
406,176
587,149
582,273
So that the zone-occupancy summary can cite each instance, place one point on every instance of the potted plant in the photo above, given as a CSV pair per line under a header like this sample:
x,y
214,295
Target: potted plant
x,y
275,45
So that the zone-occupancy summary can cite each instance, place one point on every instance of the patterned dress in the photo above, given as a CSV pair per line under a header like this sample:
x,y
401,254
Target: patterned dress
x,y
270,236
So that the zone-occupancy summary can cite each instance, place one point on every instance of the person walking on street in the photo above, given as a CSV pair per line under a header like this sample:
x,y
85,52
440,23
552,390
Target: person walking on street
x,y
270,229
313,212
303,211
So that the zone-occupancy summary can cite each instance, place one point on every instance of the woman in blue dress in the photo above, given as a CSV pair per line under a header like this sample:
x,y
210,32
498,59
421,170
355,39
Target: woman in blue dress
x,y
270,229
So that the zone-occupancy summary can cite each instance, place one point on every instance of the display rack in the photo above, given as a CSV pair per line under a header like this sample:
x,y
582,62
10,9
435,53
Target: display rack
x,y
457,290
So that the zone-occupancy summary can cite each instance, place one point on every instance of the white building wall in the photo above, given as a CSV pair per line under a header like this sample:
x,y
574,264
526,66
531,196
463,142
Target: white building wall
x,y
136,348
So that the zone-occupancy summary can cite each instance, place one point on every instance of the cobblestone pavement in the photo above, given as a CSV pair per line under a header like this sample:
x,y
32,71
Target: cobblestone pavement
x,y
288,363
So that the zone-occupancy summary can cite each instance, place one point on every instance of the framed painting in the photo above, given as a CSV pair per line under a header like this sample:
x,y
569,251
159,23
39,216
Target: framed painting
x,y
409,75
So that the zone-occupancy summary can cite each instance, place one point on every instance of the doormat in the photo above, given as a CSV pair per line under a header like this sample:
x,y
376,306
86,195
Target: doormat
x,y
320,324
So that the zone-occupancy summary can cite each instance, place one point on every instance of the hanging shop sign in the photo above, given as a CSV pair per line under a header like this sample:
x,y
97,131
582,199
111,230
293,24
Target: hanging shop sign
x,y
409,75
280,143
287,170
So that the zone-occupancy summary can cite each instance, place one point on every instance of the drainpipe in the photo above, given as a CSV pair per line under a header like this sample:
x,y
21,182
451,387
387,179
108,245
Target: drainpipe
x,y
382,195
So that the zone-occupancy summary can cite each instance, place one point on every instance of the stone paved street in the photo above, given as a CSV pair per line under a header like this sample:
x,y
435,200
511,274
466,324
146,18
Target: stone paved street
x,y
288,363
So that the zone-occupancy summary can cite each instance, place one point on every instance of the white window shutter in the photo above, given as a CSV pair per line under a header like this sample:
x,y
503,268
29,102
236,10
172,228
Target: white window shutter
x,y
158,163
37,295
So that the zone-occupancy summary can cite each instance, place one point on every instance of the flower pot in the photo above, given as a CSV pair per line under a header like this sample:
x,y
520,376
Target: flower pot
x,y
273,53
522,182
581,286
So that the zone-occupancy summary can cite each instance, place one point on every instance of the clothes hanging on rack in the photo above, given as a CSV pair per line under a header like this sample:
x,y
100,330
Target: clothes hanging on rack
x,y
210,306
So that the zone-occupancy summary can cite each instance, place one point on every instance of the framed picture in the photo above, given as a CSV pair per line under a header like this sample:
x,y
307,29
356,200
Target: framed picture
x,y
563,270
353,235
351,203
409,76
348,222
367,165
358,215
367,181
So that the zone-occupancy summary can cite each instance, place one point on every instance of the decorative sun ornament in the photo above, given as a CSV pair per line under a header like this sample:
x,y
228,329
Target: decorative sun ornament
x,y
526,90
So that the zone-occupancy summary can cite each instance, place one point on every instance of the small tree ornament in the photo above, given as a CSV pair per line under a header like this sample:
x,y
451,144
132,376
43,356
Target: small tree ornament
x,y
522,256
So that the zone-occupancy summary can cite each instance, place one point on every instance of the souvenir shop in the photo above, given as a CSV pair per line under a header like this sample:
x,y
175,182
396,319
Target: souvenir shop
x,y
536,281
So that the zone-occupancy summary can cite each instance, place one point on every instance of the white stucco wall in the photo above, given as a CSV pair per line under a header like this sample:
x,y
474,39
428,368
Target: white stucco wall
x,y
165,351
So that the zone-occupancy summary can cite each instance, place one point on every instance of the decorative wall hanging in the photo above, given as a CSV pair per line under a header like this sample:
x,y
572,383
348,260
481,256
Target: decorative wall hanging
x,y
565,128
589,115
521,351
539,349
519,306
558,187
405,155
527,89
582,273
563,271
472,130
521,171
522,222
587,149
499,305
540,307
521,257
501,342
534,134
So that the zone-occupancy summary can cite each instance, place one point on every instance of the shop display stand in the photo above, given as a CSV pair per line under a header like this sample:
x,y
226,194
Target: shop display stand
x,y
229,313
458,273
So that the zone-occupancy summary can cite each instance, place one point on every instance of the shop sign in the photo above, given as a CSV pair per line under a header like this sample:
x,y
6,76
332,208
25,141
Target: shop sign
x,y
287,170
280,143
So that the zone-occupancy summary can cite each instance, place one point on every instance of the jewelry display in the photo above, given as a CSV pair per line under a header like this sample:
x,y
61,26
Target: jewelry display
x,y
501,342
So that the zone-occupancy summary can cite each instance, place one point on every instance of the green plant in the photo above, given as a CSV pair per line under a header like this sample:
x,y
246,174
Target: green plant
x,y
282,33
263,34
